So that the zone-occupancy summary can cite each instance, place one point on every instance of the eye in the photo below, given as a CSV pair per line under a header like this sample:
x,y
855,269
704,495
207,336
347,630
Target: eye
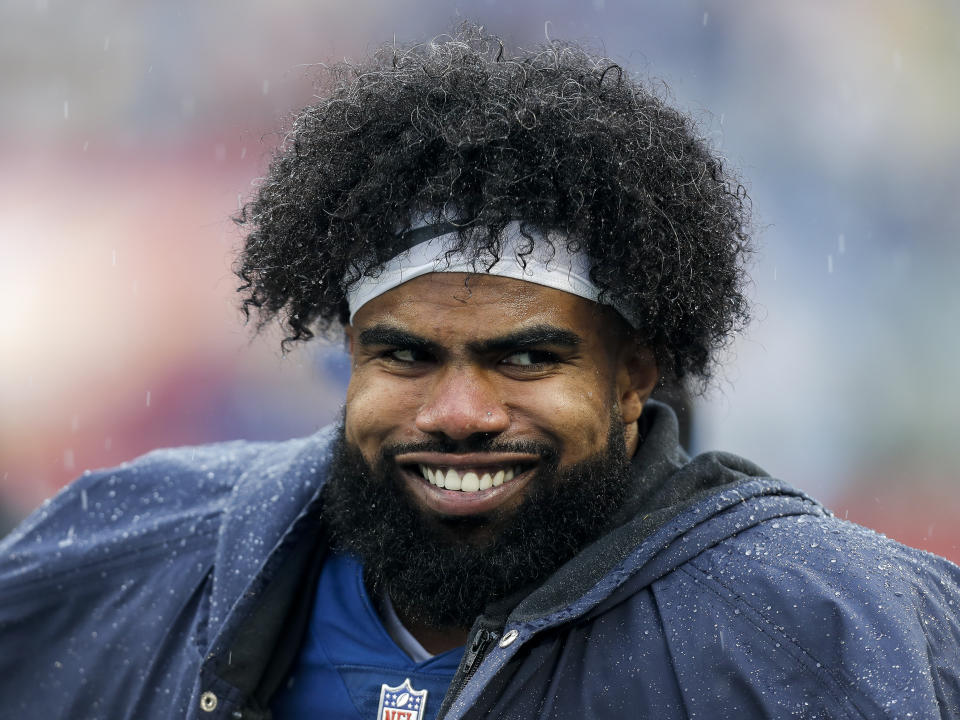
x,y
529,358
405,356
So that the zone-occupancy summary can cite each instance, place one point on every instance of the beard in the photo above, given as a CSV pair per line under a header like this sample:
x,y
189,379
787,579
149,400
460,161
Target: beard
x,y
444,571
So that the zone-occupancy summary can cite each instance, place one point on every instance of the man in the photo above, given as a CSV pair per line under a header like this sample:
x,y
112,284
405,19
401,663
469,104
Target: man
x,y
519,249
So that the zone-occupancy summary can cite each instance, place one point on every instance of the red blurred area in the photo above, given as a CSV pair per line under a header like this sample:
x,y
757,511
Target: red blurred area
x,y
122,329
920,514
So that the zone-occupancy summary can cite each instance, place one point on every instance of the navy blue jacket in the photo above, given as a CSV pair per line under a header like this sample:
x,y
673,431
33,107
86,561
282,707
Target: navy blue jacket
x,y
175,586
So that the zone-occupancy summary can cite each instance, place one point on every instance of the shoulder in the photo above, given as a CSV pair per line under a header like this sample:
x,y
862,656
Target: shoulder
x,y
819,602
833,567
168,496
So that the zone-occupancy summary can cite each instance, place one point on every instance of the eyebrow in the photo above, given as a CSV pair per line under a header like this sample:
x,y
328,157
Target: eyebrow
x,y
390,335
534,336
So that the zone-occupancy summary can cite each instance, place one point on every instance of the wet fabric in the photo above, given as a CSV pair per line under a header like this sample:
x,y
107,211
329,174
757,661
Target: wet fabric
x,y
172,586
348,656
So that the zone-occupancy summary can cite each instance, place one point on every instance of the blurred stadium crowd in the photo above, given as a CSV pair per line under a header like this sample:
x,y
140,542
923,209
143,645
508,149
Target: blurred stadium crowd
x,y
129,132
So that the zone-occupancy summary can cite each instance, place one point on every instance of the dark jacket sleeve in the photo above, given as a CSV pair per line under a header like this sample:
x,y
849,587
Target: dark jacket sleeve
x,y
101,591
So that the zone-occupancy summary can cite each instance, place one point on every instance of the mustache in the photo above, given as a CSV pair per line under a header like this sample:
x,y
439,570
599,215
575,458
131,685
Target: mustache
x,y
472,444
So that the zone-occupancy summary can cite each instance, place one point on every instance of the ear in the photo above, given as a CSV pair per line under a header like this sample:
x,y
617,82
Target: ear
x,y
637,376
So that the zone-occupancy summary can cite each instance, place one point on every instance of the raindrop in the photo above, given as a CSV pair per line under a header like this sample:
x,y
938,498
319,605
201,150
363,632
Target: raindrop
x,y
841,244
68,459
265,87
86,145
148,398
106,43
83,499
243,152
68,540
220,152
66,109
706,18
107,442
829,263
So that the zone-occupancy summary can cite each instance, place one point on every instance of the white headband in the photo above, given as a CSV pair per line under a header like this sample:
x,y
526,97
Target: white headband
x,y
549,264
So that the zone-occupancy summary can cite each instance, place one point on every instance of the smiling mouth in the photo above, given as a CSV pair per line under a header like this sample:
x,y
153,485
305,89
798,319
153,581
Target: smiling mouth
x,y
470,479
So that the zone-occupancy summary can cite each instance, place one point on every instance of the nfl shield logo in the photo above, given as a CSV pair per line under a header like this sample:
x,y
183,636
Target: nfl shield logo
x,y
401,702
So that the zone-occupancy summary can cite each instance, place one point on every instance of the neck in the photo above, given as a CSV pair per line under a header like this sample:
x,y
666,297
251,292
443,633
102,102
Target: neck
x,y
431,639
435,641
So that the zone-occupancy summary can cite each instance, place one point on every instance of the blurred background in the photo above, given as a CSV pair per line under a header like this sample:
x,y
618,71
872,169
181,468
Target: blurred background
x,y
130,131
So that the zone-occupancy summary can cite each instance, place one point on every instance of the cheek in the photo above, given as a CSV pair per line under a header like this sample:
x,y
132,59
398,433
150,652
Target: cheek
x,y
578,416
376,409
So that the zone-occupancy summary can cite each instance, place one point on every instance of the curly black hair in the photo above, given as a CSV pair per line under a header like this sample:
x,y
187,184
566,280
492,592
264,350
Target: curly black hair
x,y
556,137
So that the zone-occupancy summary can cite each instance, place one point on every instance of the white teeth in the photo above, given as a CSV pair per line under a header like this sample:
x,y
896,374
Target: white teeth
x,y
452,480
470,481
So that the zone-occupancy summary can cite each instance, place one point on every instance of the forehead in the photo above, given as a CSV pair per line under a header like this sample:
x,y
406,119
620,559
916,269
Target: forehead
x,y
482,305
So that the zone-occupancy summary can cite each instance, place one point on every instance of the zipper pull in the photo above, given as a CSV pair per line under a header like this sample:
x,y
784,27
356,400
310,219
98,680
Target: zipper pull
x,y
472,657
477,647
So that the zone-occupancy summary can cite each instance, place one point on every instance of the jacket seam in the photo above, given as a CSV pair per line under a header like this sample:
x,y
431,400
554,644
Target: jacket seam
x,y
669,651
707,580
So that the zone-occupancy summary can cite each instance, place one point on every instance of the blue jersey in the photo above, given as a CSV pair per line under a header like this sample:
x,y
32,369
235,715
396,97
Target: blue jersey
x,y
350,667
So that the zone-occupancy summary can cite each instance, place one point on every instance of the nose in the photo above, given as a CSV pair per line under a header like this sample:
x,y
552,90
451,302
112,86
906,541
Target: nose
x,y
461,403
